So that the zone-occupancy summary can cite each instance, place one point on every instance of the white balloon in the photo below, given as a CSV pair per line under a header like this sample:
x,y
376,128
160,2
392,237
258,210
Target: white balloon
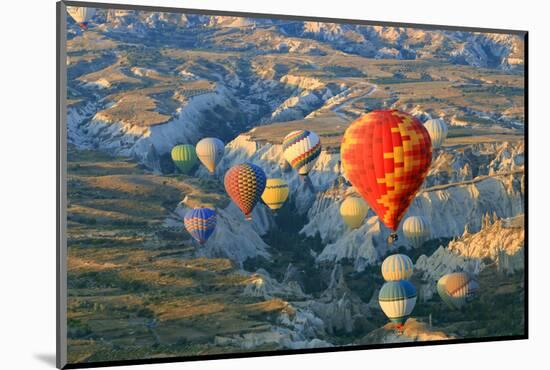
x,y
417,230
437,128
210,151
81,14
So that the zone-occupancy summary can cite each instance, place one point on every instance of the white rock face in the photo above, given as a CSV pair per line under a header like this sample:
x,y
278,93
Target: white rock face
x,y
339,308
76,116
296,107
475,160
295,326
125,139
441,262
412,331
283,337
490,50
448,210
500,241
325,31
262,285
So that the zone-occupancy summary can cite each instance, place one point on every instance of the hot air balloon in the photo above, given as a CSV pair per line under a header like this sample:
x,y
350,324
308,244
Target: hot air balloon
x,y
437,130
386,155
81,15
245,183
200,223
397,267
353,211
275,193
457,289
397,299
184,157
210,152
301,149
416,230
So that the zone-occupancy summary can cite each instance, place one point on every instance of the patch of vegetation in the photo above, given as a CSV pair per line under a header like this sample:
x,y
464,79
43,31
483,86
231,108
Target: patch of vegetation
x,y
289,247
344,71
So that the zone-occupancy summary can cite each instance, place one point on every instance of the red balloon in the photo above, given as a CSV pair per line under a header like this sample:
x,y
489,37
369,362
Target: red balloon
x,y
245,184
386,155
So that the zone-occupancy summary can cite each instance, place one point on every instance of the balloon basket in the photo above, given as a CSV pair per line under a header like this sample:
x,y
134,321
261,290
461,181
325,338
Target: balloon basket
x,y
392,238
399,327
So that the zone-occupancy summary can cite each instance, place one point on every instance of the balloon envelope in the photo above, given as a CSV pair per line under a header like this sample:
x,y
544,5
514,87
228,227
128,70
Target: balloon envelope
x,y
210,151
386,155
397,267
416,230
81,15
437,128
275,193
301,149
457,289
353,211
184,157
200,223
245,183
397,300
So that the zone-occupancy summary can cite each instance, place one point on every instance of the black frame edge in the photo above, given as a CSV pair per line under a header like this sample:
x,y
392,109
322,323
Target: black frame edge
x,y
526,181
61,292
58,317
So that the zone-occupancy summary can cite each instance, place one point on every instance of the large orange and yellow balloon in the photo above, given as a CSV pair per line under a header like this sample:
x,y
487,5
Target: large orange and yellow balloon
x,y
386,155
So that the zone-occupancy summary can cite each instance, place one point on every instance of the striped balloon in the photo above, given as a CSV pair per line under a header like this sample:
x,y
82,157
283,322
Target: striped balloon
x,y
210,151
245,183
397,267
353,211
184,157
457,289
275,193
437,130
416,230
301,149
386,155
397,300
200,223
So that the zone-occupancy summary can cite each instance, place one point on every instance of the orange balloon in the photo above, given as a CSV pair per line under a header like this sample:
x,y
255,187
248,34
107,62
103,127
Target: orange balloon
x,y
386,155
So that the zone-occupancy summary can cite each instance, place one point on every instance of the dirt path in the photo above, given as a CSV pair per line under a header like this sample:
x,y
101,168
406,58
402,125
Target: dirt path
x,y
338,108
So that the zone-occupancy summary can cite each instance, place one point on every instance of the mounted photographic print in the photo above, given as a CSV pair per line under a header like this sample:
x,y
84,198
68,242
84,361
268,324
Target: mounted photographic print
x,y
235,184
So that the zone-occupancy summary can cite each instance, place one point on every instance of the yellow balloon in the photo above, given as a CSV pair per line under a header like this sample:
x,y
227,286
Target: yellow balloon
x,y
275,193
353,211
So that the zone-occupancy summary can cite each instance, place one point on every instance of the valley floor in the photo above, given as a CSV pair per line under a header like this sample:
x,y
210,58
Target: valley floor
x,y
137,288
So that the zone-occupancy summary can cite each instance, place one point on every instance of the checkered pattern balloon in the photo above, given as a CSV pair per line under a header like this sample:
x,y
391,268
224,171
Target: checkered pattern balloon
x,y
301,149
200,223
386,155
245,184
